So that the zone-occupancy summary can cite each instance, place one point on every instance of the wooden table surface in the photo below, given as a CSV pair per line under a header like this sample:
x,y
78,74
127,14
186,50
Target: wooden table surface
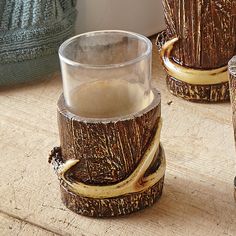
x,y
198,192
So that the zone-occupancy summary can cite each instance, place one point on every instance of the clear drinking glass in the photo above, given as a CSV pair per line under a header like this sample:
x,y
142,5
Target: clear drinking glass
x,y
106,73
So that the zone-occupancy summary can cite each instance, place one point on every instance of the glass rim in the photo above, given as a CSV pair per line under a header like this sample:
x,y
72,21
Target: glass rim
x,y
139,58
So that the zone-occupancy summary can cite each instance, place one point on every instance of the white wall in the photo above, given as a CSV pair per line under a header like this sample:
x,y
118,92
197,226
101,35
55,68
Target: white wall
x,y
141,16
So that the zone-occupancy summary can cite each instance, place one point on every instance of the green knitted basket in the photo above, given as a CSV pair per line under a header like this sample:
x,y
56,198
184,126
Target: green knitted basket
x,y
31,32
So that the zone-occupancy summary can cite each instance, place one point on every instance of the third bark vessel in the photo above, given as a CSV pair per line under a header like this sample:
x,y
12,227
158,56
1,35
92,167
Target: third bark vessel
x,y
201,38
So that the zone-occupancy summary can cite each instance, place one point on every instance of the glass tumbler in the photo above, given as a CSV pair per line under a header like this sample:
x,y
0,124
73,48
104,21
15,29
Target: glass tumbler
x,y
106,74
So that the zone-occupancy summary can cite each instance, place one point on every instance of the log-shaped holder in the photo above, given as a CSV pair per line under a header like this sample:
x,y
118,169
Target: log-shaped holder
x,y
200,40
232,83
110,167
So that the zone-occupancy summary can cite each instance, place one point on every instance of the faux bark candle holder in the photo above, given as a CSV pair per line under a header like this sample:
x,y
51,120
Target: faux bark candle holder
x,y
201,38
110,161
232,83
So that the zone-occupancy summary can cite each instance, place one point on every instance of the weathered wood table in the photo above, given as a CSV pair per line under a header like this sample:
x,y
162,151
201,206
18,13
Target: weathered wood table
x,y
198,193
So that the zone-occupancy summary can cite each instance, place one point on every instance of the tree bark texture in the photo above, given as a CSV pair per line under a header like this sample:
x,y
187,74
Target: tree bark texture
x,y
108,152
116,206
206,30
198,93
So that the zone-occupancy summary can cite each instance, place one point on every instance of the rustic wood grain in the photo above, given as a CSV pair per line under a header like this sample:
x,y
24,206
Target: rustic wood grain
x,y
199,145
198,93
113,206
206,30
118,206
108,151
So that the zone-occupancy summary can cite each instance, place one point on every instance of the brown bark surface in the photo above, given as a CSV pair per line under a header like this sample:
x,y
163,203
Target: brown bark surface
x,y
108,151
206,30
198,93
116,206
109,207
113,206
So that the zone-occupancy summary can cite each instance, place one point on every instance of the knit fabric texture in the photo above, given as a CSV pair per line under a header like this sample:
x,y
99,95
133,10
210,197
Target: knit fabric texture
x,y
31,32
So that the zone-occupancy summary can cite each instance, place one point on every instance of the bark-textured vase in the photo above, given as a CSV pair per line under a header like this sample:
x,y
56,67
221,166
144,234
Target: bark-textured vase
x,y
110,167
201,38
232,82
